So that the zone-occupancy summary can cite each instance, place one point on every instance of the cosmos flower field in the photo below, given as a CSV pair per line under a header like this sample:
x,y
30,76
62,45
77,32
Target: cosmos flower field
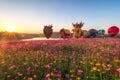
x,y
69,59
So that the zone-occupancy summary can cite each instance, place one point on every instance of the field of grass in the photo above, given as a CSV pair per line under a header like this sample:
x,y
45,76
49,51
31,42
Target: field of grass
x,y
69,59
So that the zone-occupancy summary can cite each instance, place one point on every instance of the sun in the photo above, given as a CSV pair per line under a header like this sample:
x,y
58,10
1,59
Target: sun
x,y
10,28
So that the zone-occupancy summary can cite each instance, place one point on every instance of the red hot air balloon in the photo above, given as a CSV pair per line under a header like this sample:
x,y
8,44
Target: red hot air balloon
x,y
113,30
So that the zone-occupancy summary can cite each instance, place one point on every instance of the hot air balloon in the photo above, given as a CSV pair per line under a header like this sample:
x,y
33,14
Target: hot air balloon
x,y
64,33
93,33
85,34
101,33
77,31
113,30
48,31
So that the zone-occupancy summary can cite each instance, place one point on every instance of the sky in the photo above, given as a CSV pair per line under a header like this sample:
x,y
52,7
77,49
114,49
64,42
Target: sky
x,y
30,16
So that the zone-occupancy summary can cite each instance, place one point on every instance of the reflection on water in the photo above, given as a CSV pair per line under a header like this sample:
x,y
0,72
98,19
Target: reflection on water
x,y
41,38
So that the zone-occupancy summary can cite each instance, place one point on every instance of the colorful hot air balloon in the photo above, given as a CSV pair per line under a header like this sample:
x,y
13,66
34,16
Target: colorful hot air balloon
x,y
85,34
48,31
113,30
77,31
101,33
64,33
93,33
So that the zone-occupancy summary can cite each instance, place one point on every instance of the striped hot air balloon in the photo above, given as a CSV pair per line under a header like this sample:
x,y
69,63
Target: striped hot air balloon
x,y
48,31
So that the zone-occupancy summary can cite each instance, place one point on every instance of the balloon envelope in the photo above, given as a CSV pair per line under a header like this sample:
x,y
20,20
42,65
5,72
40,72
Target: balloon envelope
x,y
113,30
93,32
64,33
101,33
48,31
86,34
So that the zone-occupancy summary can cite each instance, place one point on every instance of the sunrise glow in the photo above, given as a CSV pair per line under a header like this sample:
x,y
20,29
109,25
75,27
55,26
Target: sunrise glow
x,y
10,29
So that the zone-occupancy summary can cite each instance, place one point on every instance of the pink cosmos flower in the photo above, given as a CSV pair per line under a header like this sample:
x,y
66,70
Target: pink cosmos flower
x,y
28,70
118,69
79,72
71,79
100,54
36,65
54,69
58,75
67,75
29,78
47,66
12,67
107,69
47,75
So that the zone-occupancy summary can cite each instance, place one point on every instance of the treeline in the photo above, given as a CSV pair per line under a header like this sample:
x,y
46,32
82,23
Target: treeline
x,y
17,36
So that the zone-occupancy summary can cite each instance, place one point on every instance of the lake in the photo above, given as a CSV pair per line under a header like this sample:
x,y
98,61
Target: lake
x,y
43,38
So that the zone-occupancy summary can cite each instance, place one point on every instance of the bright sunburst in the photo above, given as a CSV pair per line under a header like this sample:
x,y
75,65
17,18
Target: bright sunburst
x,y
10,29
